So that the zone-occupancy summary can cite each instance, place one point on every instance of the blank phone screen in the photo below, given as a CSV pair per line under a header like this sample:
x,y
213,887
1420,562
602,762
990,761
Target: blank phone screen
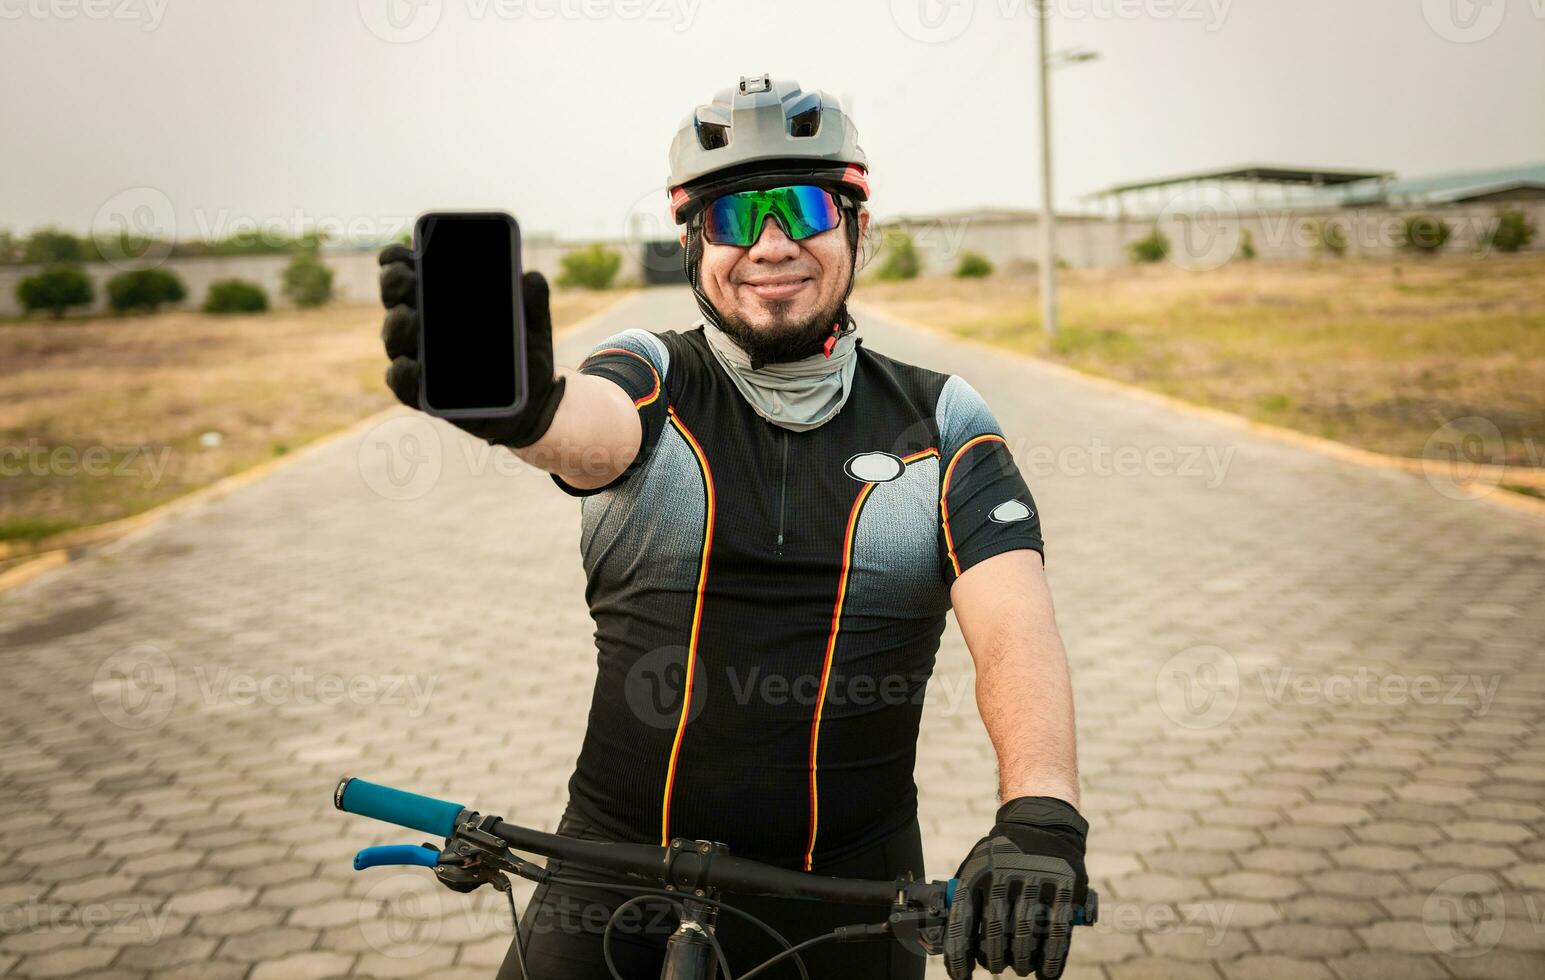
x,y
468,313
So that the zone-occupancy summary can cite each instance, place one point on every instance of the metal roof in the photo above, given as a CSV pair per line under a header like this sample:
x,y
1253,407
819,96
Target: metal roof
x,y
1259,173
1452,187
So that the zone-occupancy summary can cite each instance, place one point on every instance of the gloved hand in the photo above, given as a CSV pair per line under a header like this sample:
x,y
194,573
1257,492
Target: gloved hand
x,y
399,294
1017,891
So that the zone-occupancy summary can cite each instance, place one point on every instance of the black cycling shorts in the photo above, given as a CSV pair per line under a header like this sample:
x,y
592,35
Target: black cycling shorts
x,y
561,929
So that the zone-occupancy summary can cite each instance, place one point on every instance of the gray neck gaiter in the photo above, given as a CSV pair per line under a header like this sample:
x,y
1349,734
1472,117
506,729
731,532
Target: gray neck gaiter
x,y
797,395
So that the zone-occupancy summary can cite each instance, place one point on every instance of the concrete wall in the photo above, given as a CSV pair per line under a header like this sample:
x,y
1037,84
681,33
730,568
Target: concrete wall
x,y
1198,240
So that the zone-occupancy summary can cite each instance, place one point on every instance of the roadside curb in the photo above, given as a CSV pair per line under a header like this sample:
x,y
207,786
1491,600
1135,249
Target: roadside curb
x,y
60,550
1325,447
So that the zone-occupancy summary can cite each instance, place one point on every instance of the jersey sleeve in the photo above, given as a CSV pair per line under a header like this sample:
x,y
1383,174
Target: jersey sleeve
x,y
985,508
637,361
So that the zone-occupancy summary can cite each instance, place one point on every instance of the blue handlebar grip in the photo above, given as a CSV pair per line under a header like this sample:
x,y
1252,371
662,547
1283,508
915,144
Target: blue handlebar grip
x,y
397,806
415,854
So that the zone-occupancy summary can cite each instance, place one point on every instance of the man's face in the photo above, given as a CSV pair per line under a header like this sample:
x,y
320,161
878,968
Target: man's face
x,y
778,298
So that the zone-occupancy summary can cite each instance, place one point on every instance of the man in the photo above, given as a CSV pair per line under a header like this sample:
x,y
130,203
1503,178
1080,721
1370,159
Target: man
x,y
775,520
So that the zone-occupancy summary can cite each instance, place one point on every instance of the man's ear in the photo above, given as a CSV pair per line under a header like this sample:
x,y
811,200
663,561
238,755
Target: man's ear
x,y
681,236
863,222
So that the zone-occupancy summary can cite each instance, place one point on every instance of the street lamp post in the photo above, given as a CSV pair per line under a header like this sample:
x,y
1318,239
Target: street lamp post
x,y
1049,216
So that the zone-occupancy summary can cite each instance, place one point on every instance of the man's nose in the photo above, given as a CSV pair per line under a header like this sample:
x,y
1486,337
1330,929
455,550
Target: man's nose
x,y
772,245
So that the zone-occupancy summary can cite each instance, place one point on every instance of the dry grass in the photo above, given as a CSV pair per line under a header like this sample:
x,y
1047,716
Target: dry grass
x,y
1378,354
140,392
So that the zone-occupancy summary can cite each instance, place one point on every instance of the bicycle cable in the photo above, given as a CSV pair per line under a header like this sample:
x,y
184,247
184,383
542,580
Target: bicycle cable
x,y
606,936
777,936
791,951
520,953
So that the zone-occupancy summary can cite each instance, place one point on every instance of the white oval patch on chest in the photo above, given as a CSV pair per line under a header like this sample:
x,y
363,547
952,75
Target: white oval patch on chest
x,y
875,467
1010,511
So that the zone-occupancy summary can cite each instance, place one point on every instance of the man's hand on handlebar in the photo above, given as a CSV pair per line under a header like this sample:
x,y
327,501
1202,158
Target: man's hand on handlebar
x,y
400,333
1019,888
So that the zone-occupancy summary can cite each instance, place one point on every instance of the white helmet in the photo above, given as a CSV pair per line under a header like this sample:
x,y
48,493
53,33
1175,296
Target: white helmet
x,y
765,132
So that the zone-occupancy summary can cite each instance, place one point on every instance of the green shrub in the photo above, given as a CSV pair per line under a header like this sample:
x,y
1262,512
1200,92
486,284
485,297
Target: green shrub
x,y
1246,248
10,251
901,261
307,282
144,289
973,265
56,288
50,246
1152,247
1514,230
1329,237
591,267
235,296
1424,234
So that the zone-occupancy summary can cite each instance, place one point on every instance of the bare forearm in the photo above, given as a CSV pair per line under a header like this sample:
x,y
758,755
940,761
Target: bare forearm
x,y
594,435
1026,700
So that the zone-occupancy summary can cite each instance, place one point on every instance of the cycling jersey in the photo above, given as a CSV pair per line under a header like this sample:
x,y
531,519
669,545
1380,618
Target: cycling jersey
x,y
768,603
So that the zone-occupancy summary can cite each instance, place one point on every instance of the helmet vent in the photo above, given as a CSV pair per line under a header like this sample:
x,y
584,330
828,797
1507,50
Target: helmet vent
x,y
807,123
712,136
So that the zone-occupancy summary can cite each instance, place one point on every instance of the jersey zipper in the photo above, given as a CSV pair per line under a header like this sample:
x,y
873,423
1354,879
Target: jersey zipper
x,y
783,490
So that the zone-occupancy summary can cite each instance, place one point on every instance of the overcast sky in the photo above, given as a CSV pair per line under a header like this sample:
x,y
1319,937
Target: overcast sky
x,y
369,111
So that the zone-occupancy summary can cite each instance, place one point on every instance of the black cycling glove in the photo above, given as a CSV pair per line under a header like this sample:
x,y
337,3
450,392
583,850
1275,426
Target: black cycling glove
x,y
399,294
1017,891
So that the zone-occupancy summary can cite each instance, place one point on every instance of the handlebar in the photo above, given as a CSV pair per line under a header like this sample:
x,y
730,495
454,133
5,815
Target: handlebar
x,y
682,864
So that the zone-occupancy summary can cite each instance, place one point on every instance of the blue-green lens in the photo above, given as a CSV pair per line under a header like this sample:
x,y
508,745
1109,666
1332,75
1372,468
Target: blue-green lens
x,y
801,211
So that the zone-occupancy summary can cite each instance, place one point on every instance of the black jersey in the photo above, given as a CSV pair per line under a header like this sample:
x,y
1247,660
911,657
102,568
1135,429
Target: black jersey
x,y
768,603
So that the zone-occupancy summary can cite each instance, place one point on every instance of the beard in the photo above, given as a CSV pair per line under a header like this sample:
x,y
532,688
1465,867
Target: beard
x,y
783,339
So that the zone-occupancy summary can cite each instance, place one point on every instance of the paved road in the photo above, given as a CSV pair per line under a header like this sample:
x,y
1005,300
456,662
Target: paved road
x,y
1310,704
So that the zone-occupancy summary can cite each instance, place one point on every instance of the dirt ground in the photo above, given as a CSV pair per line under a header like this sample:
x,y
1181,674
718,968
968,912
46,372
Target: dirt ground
x,y
1380,354
105,417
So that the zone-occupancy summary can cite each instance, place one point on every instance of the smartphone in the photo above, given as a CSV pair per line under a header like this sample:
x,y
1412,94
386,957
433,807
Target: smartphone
x,y
472,332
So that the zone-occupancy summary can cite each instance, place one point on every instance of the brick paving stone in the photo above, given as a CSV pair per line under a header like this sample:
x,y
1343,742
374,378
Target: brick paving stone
x,y
222,818
1499,964
261,944
1275,968
1304,939
169,951
1199,945
315,965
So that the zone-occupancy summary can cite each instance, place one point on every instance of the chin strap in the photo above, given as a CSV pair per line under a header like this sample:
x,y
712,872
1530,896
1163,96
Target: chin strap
x,y
693,252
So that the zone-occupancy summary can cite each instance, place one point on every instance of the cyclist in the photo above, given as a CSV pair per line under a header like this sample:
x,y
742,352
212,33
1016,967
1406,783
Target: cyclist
x,y
775,521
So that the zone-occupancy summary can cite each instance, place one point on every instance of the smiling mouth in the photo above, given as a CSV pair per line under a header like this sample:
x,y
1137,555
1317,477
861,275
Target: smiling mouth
x,y
777,288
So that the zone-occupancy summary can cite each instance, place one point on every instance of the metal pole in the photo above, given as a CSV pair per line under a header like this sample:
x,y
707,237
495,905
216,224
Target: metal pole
x,y
1048,219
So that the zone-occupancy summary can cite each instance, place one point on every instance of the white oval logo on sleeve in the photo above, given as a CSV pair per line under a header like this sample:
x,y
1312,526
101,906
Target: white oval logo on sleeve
x,y
875,467
1010,511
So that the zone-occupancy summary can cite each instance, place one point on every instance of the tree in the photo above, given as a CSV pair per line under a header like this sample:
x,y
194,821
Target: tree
x,y
144,289
973,265
592,267
1424,234
235,296
1514,230
901,261
50,246
1152,247
307,282
56,289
